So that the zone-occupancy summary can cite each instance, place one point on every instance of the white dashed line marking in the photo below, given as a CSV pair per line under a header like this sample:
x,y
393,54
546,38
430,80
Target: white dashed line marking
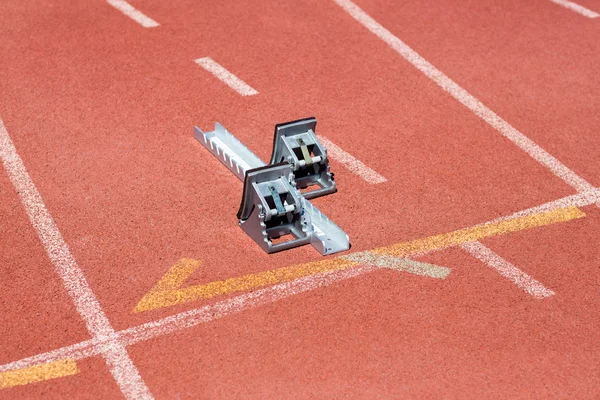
x,y
132,13
586,12
225,76
351,162
507,270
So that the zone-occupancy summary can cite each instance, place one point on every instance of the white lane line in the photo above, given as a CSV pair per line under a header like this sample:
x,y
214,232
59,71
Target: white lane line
x,y
577,200
243,302
351,162
225,76
132,13
586,12
86,303
468,100
507,270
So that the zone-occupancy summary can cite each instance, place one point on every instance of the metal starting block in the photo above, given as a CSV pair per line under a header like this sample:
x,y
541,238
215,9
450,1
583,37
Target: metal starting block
x,y
272,207
296,143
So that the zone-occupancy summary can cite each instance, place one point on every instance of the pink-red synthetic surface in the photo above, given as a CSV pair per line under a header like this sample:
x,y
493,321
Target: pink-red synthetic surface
x,y
102,112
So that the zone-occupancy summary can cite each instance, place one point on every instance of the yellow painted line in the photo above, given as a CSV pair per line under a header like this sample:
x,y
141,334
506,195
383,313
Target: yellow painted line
x,y
475,233
38,373
168,291
177,275
164,298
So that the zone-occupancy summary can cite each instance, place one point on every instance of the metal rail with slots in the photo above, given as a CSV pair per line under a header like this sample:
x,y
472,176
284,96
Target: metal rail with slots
x,y
323,234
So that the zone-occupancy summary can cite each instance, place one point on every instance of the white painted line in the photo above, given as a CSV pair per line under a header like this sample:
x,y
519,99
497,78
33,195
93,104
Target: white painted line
x,y
586,12
132,13
468,100
577,200
351,162
78,351
225,76
86,303
507,270
400,264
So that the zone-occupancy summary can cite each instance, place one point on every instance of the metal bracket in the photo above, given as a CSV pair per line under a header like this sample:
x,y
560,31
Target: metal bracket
x,y
295,142
324,234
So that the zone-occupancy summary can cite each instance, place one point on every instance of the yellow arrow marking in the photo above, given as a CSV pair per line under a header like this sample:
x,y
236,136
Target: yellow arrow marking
x,y
168,291
38,373
159,297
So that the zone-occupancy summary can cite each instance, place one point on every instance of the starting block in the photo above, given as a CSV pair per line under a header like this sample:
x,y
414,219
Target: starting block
x,y
272,206
296,143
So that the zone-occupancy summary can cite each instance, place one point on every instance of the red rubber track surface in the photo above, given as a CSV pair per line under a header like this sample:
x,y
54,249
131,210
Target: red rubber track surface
x,y
101,110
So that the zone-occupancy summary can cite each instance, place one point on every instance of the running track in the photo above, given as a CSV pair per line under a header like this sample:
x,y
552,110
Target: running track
x,y
440,117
